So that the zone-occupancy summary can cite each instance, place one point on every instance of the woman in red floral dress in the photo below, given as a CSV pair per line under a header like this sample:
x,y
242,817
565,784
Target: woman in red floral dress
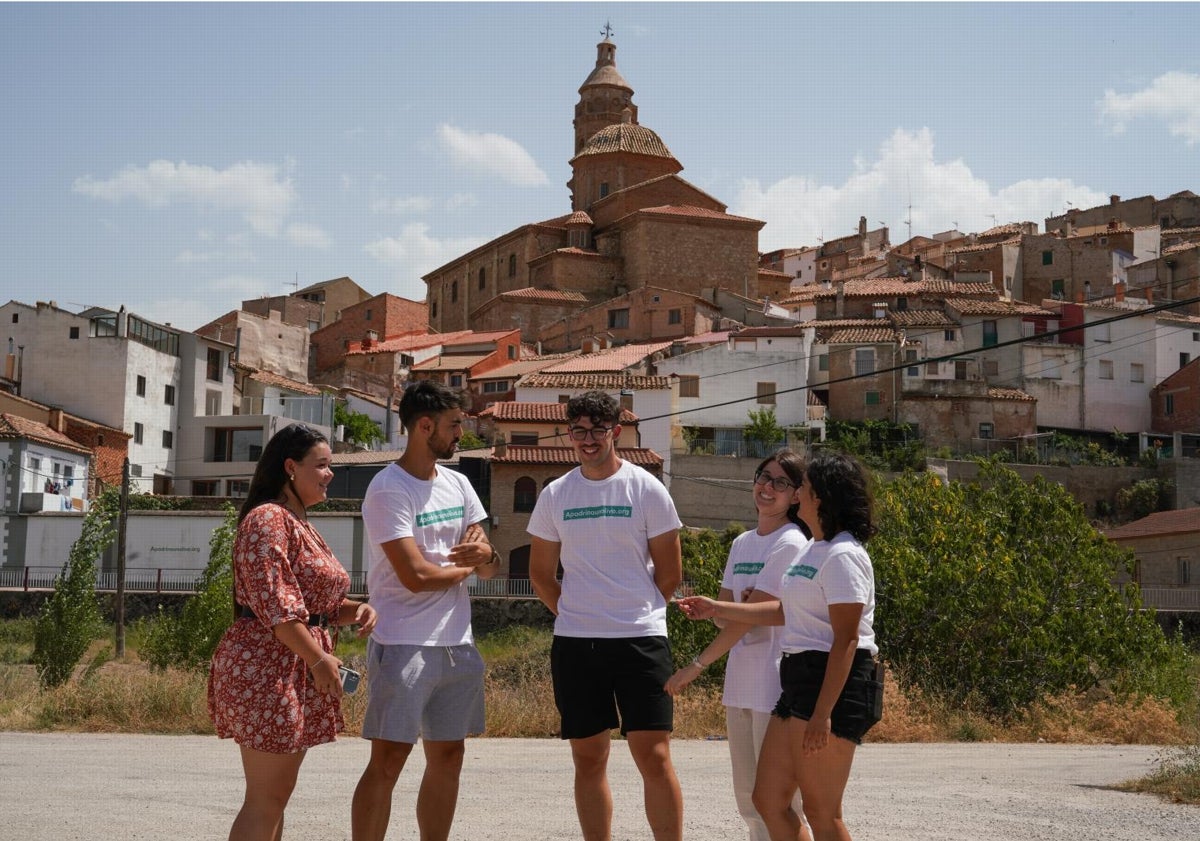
x,y
274,685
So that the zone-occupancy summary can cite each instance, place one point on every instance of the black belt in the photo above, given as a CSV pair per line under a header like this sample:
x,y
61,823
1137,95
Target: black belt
x,y
315,620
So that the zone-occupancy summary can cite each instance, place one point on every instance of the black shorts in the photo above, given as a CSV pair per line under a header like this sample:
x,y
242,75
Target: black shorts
x,y
595,679
858,708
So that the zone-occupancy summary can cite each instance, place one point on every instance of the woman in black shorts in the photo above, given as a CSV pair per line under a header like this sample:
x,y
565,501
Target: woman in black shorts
x,y
830,697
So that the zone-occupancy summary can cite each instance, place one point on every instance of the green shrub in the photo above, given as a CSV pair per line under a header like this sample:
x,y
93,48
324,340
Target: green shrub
x,y
187,640
70,618
704,554
1001,593
1143,498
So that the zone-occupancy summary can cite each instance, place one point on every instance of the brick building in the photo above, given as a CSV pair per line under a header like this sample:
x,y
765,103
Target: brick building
x,y
1175,402
634,224
377,318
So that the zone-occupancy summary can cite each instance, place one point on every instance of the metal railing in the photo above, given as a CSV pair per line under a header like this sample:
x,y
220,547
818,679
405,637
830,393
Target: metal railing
x,y
183,581
1181,599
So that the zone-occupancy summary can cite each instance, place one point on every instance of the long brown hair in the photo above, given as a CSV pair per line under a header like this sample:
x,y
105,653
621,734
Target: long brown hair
x,y
293,441
792,464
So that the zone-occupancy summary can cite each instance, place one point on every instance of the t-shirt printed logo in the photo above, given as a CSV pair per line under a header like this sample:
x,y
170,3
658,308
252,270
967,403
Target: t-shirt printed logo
x,y
802,569
598,512
748,567
426,518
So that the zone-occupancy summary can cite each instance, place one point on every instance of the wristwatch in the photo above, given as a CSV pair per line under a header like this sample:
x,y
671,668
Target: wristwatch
x,y
495,557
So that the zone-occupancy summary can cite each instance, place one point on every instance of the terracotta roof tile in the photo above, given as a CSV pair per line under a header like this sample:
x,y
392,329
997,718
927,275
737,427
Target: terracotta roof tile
x,y
610,359
863,336
523,366
955,288
919,318
470,337
713,337
272,379
586,382
566,456
983,246
773,273
15,426
512,410
555,296
625,137
972,306
1160,524
695,212
579,217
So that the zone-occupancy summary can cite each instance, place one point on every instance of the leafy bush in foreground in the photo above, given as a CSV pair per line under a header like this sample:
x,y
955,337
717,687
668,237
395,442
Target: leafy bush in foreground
x,y
1000,592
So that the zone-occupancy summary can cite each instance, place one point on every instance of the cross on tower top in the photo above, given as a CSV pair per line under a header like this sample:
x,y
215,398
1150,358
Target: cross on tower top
x,y
607,31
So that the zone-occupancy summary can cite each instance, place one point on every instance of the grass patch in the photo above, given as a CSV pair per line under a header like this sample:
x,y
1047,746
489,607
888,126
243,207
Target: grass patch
x,y
126,696
1177,778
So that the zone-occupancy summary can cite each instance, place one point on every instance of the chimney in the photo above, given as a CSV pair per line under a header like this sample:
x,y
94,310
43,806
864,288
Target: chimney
x,y
500,446
1113,224
1114,200
57,421
862,226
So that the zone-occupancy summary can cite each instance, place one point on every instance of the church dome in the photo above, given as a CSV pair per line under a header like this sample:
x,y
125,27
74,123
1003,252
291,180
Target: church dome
x,y
625,137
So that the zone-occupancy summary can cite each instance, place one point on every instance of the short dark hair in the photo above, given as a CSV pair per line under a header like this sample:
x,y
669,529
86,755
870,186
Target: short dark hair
x,y
293,441
600,407
426,398
843,495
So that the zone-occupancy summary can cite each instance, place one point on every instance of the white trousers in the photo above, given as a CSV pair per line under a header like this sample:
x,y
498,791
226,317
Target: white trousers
x,y
745,729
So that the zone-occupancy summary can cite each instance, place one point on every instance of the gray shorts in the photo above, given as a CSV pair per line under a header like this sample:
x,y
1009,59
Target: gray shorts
x,y
434,692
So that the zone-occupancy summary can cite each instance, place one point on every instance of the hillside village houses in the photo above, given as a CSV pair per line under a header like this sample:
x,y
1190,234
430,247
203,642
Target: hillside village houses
x,y
647,287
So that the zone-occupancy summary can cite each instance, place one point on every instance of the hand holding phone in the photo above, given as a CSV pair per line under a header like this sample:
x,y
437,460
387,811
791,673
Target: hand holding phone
x,y
350,679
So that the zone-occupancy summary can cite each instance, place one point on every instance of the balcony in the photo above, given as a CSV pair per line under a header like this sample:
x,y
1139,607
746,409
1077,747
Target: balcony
x,y
312,410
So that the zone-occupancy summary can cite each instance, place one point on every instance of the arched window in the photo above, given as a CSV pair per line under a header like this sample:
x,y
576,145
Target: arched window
x,y
483,278
524,494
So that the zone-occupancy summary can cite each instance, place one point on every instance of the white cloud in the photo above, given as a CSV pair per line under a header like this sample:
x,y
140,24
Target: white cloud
x,y
405,204
944,195
1173,98
307,235
414,253
492,154
257,191
213,299
461,200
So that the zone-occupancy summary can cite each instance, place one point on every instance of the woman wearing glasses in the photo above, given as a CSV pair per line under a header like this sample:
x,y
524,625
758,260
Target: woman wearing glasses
x,y
274,686
829,698
753,573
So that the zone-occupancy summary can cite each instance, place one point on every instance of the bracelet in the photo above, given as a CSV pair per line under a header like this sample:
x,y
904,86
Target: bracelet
x,y
696,662
317,662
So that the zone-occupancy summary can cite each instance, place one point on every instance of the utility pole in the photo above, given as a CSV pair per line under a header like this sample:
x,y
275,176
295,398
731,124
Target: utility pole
x,y
122,520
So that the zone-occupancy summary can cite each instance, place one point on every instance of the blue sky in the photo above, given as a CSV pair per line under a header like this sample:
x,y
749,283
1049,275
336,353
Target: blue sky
x,y
178,159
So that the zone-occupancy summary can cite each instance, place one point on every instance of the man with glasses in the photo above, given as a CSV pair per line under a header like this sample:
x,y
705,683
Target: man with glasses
x,y
424,672
614,529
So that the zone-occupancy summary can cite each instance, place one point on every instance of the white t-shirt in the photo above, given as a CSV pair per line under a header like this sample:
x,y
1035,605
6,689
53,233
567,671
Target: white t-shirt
x,y
829,572
604,527
758,561
436,513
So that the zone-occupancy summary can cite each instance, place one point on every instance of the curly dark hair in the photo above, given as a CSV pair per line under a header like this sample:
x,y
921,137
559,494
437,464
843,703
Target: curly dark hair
x,y
293,441
843,495
792,465
425,398
600,407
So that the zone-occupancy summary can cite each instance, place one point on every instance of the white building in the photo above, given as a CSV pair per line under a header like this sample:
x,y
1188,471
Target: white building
x,y
756,368
40,468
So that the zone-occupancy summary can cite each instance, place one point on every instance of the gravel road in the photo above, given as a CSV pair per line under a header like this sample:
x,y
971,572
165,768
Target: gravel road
x,y
56,787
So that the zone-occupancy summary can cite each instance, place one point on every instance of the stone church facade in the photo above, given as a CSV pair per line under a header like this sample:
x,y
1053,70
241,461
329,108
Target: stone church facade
x,y
634,224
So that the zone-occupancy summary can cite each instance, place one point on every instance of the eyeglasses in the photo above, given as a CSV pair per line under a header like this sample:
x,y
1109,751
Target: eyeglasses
x,y
582,433
779,483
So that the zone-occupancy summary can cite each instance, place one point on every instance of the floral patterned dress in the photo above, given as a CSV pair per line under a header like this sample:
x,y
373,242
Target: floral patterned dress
x,y
260,693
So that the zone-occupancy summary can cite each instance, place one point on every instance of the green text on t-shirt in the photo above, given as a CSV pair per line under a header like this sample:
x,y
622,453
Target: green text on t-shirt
x,y
426,518
802,569
748,567
597,512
